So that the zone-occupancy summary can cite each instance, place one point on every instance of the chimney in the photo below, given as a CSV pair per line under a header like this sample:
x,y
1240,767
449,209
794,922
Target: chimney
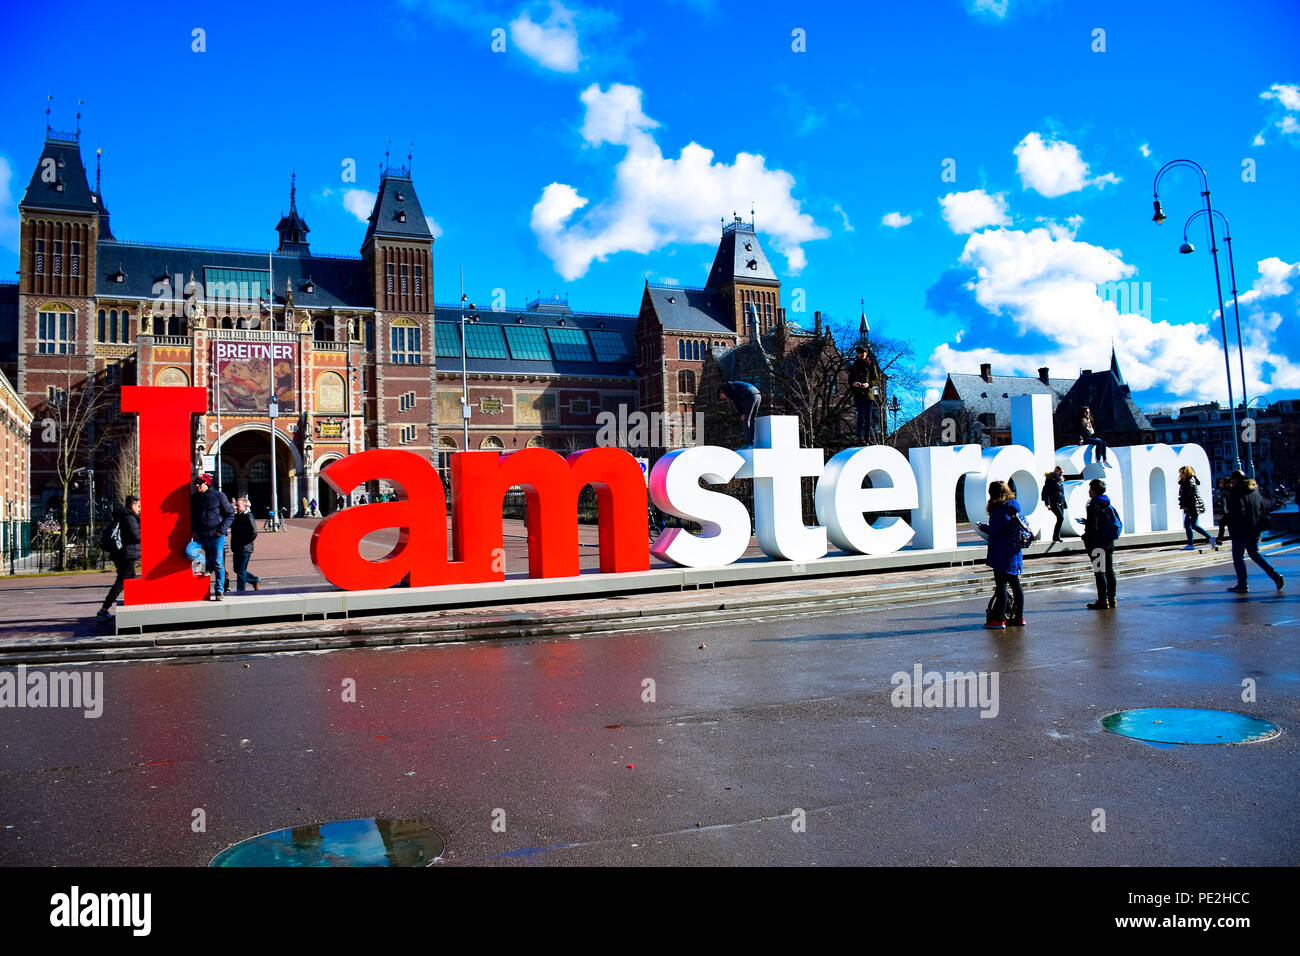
x,y
1042,375
1086,371
986,372
817,323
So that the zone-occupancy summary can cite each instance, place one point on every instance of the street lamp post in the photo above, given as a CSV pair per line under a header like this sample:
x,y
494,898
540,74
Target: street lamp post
x,y
216,403
1159,218
464,373
1186,249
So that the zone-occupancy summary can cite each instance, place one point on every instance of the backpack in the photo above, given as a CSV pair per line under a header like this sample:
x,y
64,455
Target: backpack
x,y
1021,535
1006,604
110,539
1111,525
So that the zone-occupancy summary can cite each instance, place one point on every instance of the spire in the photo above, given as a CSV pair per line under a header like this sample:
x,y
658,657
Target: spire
x,y
1114,365
864,329
293,228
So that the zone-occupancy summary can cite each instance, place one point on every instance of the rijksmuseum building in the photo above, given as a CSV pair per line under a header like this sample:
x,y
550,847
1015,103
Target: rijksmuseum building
x,y
354,350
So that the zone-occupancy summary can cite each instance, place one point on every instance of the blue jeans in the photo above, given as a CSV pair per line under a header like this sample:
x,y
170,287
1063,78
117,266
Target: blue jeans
x,y
1100,453
214,552
241,570
1242,546
866,418
1191,522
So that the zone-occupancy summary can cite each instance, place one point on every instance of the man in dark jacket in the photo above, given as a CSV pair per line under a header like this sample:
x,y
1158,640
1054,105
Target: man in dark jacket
x,y
746,398
1054,497
1099,542
864,383
211,515
124,559
1244,515
242,532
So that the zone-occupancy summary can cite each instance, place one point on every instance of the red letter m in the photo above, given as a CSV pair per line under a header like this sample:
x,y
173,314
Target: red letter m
x,y
480,480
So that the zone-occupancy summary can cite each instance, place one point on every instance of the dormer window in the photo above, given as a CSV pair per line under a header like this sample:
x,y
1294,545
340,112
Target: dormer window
x,y
752,264
58,185
400,197
401,215
749,247
672,300
310,287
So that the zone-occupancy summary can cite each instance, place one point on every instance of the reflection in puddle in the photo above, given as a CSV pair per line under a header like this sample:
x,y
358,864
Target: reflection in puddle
x,y
364,842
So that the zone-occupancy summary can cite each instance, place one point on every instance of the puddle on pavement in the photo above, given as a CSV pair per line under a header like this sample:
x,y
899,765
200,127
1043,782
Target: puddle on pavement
x,y
369,841
1185,725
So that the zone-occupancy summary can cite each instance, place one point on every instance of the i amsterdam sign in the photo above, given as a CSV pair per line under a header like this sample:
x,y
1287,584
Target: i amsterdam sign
x,y
1142,483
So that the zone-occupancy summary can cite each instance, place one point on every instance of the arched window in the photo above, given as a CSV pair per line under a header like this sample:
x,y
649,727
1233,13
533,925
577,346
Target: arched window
x,y
370,335
158,326
102,329
174,325
492,443
681,348
318,330
112,325
226,323
331,393
56,330
537,441
125,327
686,382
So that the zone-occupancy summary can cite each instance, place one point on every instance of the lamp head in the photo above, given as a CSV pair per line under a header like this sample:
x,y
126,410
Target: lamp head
x,y
1160,216
1186,248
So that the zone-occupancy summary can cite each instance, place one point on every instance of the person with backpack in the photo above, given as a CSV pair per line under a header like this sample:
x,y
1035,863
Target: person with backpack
x,y
211,515
1054,497
1189,500
746,398
1088,435
121,540
1246,518
1101,526
243,529
1007,536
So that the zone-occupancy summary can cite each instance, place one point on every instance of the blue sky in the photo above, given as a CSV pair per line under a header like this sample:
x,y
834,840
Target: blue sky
x,y
601,147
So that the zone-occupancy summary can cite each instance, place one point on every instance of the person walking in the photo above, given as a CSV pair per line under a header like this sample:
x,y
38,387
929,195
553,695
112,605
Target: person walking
x,y
864,383
746,398
127,554
1101,526
1189,499
211,515
1088,435
243,529
1246,519
312,506
1220,501
1004,557
1054,497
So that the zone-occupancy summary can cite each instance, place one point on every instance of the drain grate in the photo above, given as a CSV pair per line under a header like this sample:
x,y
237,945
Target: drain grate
x,y
369,841
1185,725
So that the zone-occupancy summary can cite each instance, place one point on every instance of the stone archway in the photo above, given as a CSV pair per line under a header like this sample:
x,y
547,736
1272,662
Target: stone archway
x,y
326,497
247,449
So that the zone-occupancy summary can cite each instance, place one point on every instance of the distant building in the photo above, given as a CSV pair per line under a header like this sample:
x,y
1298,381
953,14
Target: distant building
x,y
16,444
1275,430
1115,416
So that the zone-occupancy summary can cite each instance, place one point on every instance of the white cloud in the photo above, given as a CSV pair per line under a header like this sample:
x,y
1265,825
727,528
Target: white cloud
x,y
657,200
848,226
1288,125
895,220
553,43
1046,284
1258,140
1288,94
8,208
1054,168
993,8
1145,149
359,202
968,211
1272,281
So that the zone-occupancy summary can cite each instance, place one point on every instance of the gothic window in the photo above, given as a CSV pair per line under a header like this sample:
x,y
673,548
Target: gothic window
x,y
406,343
686,382
681,348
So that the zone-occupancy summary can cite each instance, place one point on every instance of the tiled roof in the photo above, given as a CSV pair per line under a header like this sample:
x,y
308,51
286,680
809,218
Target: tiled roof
x,y
340,282
982,397
689,310
68,173
739,257
397,218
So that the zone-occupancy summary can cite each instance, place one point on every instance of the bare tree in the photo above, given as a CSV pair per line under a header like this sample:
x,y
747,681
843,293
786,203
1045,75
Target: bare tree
x,y
71,414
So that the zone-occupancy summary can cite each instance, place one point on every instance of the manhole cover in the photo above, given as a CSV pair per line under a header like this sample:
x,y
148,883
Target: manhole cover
x,y
365,842
1184,725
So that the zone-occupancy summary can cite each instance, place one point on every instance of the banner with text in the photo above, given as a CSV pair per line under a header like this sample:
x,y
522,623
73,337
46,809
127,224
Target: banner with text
x,y
250,373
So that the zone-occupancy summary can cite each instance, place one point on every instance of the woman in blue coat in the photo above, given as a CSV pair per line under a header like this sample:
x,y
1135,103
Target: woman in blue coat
x,y
1004,556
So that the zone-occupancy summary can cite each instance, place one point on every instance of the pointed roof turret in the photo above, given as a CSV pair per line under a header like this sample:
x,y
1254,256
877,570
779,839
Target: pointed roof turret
x,y
59,181
740,258
397,213
293,228
1114,365
864,329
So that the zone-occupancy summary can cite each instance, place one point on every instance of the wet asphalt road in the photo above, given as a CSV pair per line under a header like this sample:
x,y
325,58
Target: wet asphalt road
x,y
770,717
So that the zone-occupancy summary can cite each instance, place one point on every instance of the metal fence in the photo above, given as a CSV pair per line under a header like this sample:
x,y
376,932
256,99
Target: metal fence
x,y
28,546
